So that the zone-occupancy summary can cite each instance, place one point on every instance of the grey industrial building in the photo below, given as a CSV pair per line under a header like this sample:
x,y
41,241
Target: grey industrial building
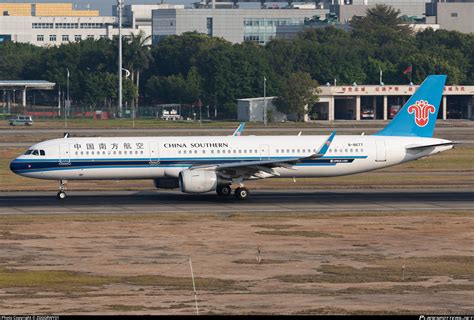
x,y
234,25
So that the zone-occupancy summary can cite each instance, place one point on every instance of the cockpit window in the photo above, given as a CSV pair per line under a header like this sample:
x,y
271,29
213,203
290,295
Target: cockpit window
x,y
35,152
28,152
42,153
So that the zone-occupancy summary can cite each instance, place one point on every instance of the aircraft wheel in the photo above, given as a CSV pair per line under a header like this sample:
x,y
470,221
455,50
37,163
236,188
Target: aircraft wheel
x,y
61,195
223,191
242,193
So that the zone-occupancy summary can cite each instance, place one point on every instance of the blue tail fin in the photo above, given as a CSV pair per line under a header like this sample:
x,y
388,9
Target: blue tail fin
x,y
418,116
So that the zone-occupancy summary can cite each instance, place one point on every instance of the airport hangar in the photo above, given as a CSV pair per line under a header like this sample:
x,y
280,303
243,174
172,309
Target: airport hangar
x,y
359,102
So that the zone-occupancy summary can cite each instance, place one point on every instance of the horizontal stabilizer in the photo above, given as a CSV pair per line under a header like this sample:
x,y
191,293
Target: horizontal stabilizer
x,y
418,147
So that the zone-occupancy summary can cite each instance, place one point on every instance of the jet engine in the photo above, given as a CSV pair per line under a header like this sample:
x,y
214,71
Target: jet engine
x,y
200,181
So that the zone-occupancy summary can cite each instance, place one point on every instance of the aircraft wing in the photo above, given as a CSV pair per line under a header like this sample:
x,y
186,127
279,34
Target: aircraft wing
x,y
252,167
420,147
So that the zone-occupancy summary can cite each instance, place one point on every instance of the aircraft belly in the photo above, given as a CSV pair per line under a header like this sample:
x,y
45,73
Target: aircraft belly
x,y
98,173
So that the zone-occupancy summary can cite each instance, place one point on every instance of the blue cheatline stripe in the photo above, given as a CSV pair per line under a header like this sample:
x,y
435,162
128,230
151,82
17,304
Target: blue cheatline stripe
x,y
182,159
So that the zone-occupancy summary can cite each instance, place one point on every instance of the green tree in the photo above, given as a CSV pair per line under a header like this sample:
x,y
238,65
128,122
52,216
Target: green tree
x,y
380,20
137,57
300,91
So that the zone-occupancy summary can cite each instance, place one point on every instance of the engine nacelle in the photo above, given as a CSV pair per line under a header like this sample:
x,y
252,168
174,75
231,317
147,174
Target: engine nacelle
x,y
166,183
198,181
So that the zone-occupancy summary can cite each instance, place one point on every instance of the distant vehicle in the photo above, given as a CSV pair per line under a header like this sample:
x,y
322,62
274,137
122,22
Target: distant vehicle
x,y
393,111
171,115
21,120
454,114
367,113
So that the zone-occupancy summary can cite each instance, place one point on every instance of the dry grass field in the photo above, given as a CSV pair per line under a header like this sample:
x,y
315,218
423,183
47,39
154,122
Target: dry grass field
x,y
312,263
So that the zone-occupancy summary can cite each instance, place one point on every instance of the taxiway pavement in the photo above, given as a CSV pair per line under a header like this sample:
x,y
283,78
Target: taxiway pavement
x,y
260,201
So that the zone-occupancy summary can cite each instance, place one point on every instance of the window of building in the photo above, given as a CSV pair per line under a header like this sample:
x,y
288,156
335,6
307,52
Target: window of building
x,y
209,27
40,37
91,37
454,14
52,37
65,37
77,37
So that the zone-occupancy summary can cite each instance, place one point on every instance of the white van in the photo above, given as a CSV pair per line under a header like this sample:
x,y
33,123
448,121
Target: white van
x,y
21,120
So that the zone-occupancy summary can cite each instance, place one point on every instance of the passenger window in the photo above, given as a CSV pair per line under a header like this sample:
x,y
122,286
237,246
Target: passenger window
x,y
203,151
218,151
245,150
212,151
195,151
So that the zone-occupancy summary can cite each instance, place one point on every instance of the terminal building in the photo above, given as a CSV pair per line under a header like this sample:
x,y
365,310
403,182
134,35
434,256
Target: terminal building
x,y
366,102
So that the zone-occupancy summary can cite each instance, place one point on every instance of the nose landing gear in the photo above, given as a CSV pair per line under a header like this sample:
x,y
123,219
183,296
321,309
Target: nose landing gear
x,y
62,190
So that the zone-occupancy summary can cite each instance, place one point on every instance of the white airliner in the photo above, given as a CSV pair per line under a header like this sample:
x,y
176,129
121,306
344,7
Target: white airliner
x,y
215,163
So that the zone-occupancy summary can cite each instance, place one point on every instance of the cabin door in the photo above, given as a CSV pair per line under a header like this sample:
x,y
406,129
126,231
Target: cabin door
x,y
64,154
154,153
381,155
264,152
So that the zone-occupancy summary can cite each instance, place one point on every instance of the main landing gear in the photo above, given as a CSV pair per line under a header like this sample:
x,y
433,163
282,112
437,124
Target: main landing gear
x,y
224,191
241,193
62,190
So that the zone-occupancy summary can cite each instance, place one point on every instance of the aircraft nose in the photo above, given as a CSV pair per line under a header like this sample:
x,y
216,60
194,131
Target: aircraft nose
x,y
15,165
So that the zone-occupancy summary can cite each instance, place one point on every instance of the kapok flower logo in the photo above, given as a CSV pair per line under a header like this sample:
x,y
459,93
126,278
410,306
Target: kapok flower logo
x,y
422,110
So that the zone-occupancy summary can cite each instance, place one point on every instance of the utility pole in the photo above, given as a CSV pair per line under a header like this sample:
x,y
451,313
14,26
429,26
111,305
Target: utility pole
x,y
119,14
67,104
265,101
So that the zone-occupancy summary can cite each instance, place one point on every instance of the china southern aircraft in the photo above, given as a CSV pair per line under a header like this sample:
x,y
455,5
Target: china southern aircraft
x,y
215,163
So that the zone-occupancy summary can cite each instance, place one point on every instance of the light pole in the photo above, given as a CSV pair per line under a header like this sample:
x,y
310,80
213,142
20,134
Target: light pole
x,y
265,101
67,105
119,14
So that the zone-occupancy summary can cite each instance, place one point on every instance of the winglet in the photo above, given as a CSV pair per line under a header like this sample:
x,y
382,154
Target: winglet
x,y
326,145
239,130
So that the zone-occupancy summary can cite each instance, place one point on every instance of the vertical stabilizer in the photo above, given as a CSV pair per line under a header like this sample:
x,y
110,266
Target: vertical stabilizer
x,y
418,116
